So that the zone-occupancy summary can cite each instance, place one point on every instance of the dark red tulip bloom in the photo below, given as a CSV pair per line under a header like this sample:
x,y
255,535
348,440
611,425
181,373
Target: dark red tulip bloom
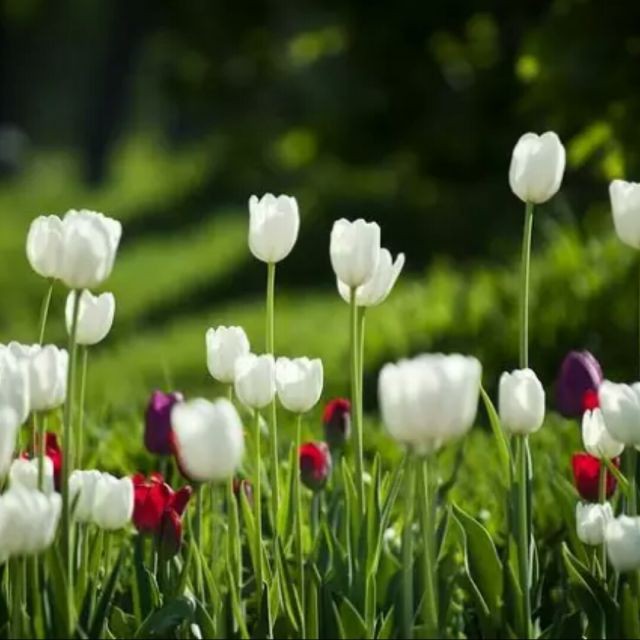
x,y
578,382
244,485
315,464
586,476
337,422
53,451
157,431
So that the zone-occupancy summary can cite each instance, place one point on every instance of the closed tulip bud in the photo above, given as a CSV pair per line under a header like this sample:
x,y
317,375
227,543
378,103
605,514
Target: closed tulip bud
x,y
299,383
315,465
537,167
337,422
24,474
170,533
255,382
89,245
429,400
375,291
586,476
224,346
620,406
625,205
208,439
157,431
521,402
243,486
274,223
44,246
354,251
113,502
596,438
95,316
622,538
82,490
578,382
591,522
15,398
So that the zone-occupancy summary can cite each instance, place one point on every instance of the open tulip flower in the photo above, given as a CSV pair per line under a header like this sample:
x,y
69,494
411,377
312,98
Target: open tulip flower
x,y
586,476
95,317
578,382
157,423
315,464
625,206
336,420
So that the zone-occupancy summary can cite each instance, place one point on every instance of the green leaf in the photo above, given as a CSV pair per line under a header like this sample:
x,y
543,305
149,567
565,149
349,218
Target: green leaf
x,y
504,455
165,620
312,620
352,623
629,610
121,624
567,627
106,597
385,631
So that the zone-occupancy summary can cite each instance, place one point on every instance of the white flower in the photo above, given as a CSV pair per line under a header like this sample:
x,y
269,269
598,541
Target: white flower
x,y
8,438
375,291
596,438
591,522
537,167
44,246
255,383
113,502
24,474
209,439
622,537
299,383
625,205
521,402
274,223
14,388
620,406
354,251
429,400
95,316
224,346
82,489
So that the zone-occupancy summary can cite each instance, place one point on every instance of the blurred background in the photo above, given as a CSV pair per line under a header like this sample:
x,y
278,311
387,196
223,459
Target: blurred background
x,y
168,115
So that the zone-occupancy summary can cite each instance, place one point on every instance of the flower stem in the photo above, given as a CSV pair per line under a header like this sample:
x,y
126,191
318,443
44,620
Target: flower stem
x,y
297,497
257,507
44,313
631,462
407,550
83,387
355,397
524,286
602,498
430,599
270,343
523,533
42,436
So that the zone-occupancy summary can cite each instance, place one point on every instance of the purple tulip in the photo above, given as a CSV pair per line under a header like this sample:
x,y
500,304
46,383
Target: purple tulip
x,y
157,432
578,382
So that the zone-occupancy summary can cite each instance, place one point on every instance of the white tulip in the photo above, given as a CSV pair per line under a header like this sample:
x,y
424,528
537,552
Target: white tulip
x,y
620,406
274,223
375,291
255,383
209,439
9,428
537,167
24,474
224,346
82,489
354,251
596,438
95,316
14,388
299,383
44,246
591,522
521,402
622,537
625,206
113,502
429,400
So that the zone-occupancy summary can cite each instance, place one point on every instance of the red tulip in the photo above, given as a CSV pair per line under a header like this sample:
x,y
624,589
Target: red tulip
x,y
586,476
170,533
315,464
337,422
53,451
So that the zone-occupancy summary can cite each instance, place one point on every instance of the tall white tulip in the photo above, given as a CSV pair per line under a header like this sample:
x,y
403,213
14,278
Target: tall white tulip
x,y
24,474
95,316
113,502
82,489
209,439
224,346
591,522
521,402
14,388
622,538
620,406
255,380
274,223
625,206
299,383
537,167
375,291
354,251
44,246
9,428
595,437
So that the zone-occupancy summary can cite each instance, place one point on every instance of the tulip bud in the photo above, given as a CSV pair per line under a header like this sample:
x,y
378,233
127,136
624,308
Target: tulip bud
x,y
586,476
243,486
150,499
44,246
255,383
157,431
375,291
113,502
208,439
170,534
273,226
620,406
24,474
622,539
591,522
596,438
537,167
224,346
521,402
354,251
15,398
299,383
625,205
95,316
337,422
315,465
82,491
578,382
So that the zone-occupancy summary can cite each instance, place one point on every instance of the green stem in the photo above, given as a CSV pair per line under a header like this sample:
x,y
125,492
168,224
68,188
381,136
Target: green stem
x,y
42,436
83,387
297,497
186,567
315,512
17,599
602,498
257,506
44,313
631,462
197,535
270,343
36,595
407,550
230,392
430,599
355,398
523,534
524,286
